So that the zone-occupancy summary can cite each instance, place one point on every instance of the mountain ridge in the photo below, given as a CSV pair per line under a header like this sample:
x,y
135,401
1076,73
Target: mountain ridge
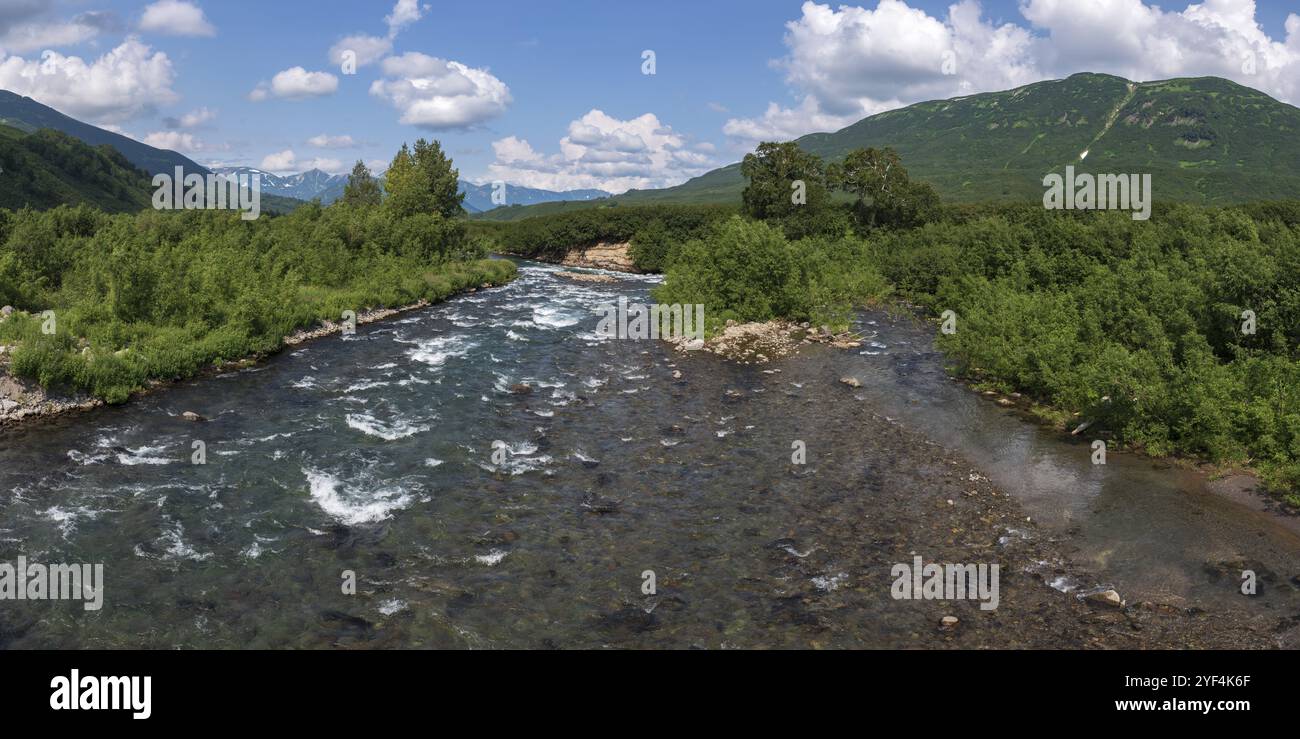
x,y
1204,139
316,183
28,115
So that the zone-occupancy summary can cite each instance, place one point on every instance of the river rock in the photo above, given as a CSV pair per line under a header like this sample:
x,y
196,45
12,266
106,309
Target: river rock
x,y
192,416
520,388
587,277
603,255
1106,598
599,504
851,381
948,623
694,345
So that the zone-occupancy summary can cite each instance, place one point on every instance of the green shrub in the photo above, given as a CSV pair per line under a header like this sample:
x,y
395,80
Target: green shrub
x,y
163,295
748,271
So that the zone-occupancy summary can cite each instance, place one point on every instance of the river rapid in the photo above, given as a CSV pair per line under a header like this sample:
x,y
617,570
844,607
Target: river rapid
x,y
370,458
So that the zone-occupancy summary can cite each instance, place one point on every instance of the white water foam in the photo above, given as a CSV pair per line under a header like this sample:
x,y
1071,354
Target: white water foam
x,y
492,558
436,351
371,426
351,506
548,316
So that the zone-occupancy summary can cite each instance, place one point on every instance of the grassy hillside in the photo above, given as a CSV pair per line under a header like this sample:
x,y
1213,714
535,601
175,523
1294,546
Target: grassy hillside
x,y
44,169
1204,140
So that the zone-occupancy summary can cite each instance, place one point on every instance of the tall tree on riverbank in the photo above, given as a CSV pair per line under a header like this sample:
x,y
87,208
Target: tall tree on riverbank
x,y
424,181
787,187
441,179
783,179
362,188
886,195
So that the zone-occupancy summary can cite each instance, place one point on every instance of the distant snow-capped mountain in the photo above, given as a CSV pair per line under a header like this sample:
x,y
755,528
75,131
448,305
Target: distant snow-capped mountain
x,y
304,186
478,198
315,183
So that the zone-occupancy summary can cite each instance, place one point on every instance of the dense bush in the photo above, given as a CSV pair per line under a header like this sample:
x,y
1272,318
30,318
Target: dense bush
x,y
1136,325
651,230
748,271
160,295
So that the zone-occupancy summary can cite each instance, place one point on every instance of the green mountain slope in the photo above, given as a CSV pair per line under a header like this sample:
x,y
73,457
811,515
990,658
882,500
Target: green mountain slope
x,y
1204,140
47,168
22,115
28,115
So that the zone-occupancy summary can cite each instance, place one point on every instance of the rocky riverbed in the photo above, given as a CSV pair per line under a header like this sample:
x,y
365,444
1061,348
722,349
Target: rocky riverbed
x,y
496,473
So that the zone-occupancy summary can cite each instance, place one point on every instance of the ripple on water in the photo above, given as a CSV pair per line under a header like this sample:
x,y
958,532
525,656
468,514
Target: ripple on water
x,y
398,428
551,317
352,505
492,558
143,455
518,459
436,351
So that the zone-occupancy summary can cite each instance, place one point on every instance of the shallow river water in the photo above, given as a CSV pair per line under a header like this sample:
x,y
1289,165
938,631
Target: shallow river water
x,y
373,456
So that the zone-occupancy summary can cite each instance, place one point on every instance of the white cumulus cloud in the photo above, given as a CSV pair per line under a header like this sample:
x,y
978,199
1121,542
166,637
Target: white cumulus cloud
x,y
848,62
438,94
370,49
128,82
192,119
405,12
1142,41
174,140
295,83
286,162
366,49
602,152
24,37
176,18
784,124
281,161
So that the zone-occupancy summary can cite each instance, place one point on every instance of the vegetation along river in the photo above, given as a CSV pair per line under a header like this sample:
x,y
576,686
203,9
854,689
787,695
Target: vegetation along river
x,y
373,454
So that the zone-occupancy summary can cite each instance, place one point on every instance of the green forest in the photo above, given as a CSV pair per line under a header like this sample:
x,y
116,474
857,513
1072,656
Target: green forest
x,y
162,295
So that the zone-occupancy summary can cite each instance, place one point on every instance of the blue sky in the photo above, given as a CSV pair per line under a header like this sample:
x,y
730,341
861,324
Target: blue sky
x,y
553,95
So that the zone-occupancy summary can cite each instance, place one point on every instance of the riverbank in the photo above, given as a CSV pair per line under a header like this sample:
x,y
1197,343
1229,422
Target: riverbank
x,y
765,342
407,457
1240,481
24,401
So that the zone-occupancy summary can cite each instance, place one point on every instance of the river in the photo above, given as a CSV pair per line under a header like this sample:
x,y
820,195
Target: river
x,y
370,459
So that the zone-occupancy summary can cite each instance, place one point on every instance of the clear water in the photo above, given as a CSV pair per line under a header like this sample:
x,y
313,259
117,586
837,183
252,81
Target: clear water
x,y
373,454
